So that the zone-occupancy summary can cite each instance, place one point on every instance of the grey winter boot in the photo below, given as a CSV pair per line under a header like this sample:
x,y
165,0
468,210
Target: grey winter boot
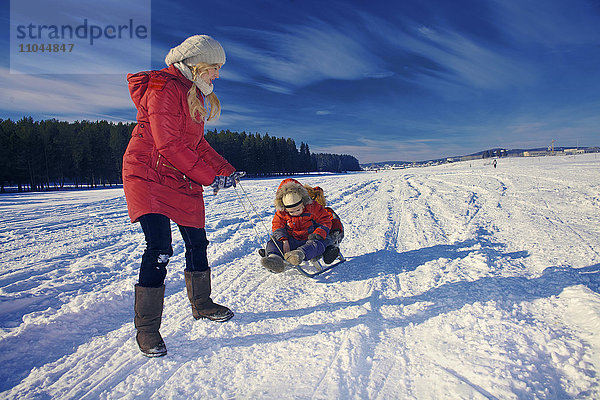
x,y
197,284
294,257
273,263
148,314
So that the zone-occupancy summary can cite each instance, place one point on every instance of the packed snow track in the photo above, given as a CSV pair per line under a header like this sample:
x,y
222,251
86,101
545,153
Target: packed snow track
x,y
462,281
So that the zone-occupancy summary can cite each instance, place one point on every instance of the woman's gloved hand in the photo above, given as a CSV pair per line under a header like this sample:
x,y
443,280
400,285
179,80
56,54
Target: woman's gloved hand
x,y
223,182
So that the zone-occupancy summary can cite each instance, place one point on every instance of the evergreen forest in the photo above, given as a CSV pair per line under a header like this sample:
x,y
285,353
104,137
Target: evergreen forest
x,y
52,154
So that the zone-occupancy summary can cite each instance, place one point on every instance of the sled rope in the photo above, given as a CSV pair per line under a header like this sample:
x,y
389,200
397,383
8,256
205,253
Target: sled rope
x,y
247,213
253,208
257,216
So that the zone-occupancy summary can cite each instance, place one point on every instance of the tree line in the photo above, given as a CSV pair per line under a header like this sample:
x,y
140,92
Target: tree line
x,y
268,155
42,155
52,154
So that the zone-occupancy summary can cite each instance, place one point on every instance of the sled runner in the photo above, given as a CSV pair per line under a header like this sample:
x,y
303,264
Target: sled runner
x,y
316,267
311,268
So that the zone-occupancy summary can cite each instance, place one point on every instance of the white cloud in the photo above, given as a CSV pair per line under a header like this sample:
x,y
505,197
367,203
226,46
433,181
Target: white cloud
x,y
109,37
300,55
468,62
449,59
390,149
65,96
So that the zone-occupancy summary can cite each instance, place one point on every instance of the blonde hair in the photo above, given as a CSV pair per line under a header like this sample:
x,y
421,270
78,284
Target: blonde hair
x,y
194,103
316,194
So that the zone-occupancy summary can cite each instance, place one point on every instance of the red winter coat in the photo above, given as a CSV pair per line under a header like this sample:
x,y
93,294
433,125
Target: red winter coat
x,y
336,223
314,219
167,160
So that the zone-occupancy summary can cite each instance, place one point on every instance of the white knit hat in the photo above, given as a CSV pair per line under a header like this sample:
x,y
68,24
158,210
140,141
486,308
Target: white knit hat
x,y
291,200
197,49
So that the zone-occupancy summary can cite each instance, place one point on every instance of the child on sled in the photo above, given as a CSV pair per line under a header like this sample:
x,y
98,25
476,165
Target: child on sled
x,y
300,227
336,234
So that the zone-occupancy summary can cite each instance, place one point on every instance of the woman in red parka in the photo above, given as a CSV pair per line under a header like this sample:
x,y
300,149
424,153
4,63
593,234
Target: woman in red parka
x,y
166,163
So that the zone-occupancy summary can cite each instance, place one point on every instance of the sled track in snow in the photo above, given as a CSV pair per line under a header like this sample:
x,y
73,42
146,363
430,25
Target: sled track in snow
x,y
458,281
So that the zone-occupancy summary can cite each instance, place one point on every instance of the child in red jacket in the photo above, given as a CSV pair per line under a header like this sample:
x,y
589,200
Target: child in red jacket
x,y
300,227
336,234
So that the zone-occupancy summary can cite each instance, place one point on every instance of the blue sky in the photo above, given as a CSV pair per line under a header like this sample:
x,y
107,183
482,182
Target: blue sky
x,y
381,80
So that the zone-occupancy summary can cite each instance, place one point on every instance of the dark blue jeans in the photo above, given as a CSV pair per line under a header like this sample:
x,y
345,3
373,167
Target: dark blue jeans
x,y
157,231
311,248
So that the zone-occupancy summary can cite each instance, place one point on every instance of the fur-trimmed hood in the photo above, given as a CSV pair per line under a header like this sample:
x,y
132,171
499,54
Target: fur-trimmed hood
x,y
290,185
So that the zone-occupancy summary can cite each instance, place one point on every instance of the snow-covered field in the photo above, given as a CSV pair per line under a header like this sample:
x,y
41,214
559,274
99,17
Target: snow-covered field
x,y
462,282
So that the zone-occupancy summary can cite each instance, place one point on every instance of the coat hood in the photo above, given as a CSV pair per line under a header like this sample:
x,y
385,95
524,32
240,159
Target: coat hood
x,y
140,82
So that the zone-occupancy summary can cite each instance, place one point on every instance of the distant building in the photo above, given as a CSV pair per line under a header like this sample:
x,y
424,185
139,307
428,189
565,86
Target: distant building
x,y
574,151
536,153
